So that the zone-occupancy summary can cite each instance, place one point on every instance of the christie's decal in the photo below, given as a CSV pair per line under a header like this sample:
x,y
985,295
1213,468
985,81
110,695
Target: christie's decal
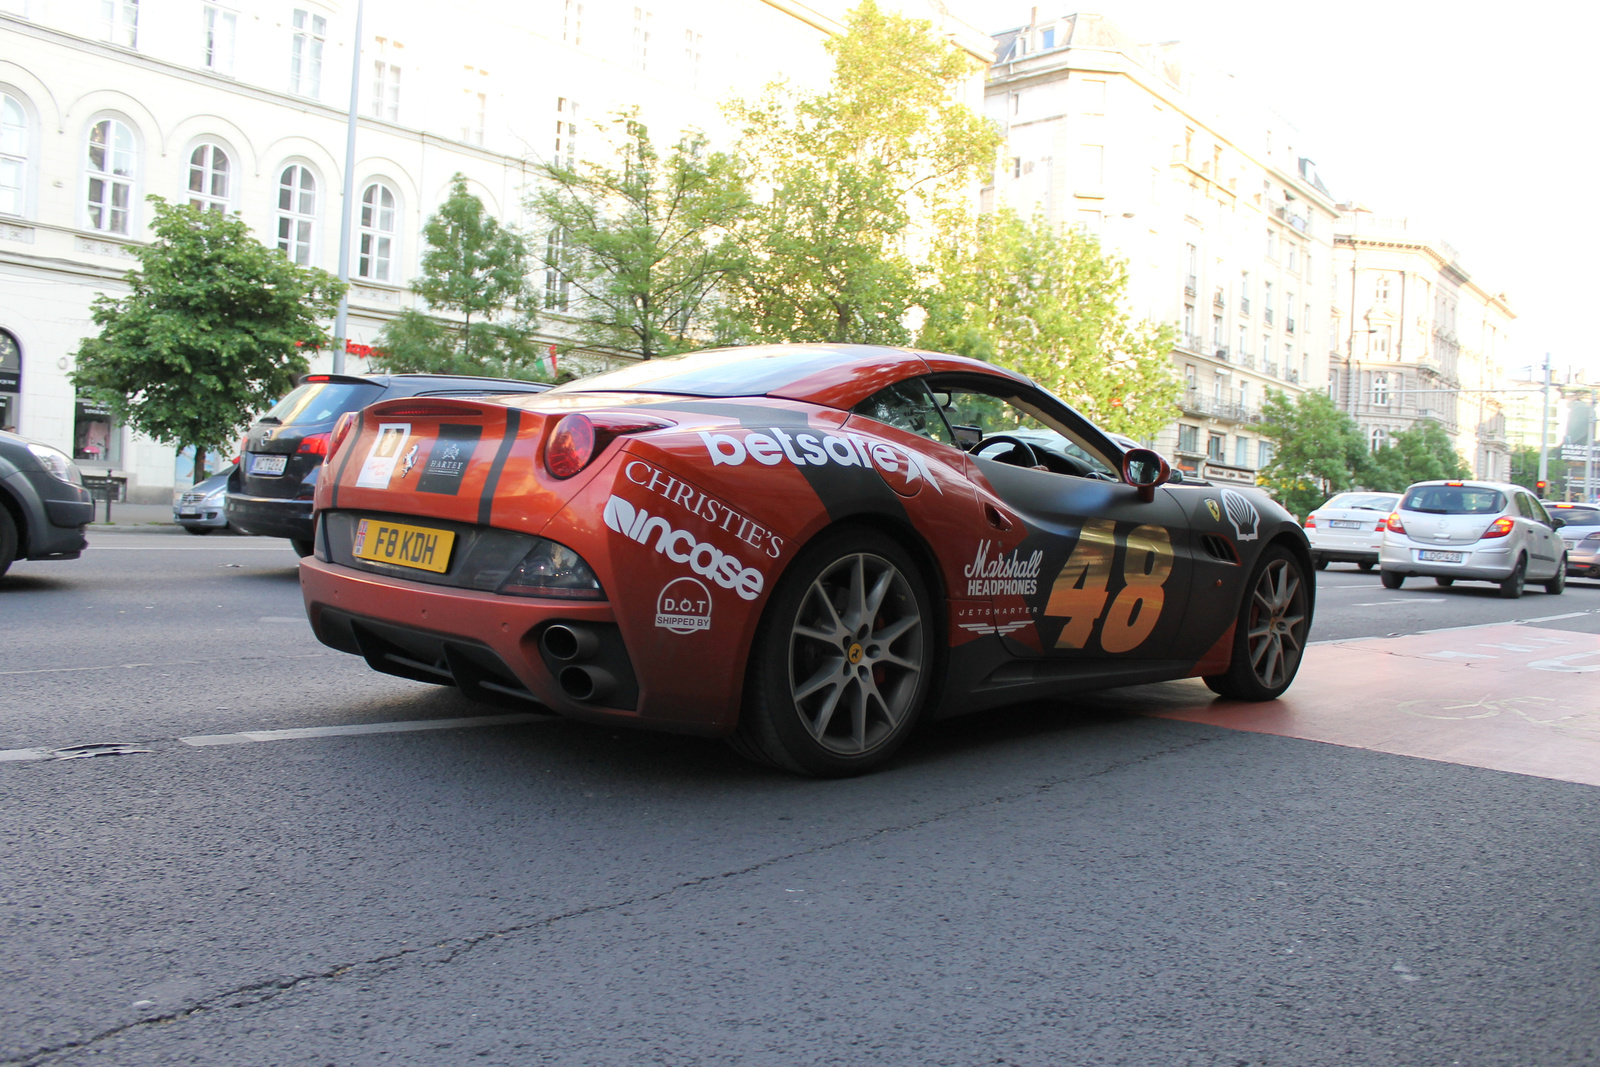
x,y
1242,514
808,449
680,546
684,606
703,506
1004,575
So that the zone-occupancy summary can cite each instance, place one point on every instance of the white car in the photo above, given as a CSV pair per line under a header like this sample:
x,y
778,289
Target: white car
x,y
1473,531
1349,528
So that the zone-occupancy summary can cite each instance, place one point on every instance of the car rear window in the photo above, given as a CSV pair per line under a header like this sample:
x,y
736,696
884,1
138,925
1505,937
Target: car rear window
x,y
1367,501
1575,516
753,371
316,402
1454,500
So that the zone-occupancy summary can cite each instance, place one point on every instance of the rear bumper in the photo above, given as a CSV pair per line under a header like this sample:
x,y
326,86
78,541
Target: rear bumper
x,y
1493,564
1345,555
269,516
486,644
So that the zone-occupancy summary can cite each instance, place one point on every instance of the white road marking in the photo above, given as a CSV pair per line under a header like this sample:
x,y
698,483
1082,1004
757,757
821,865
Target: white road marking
x,y
362,728
1557,618
13,755
1407,600
165,663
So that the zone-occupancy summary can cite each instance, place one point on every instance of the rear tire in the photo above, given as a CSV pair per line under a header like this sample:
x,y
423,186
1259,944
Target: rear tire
x,y
1511,588
1392,579
8,540
1444,583
1366,566
1269,637
1320,563
199,531
303,546
841,666
1555,585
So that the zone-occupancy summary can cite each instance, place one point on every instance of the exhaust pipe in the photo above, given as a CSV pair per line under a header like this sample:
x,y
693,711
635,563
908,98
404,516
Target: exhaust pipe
x,y
568,643
587,683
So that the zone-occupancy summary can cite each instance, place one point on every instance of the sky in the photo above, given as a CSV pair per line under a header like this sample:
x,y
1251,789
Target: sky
x,y
1477,119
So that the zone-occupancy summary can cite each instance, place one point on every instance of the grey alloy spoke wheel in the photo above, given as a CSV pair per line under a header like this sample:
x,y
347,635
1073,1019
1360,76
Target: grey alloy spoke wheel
x,y
1276,635
857,653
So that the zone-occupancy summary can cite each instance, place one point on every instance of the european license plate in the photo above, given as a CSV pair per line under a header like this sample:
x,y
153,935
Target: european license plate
x,y
1344,524
188,513
1439,557
404,546
268,464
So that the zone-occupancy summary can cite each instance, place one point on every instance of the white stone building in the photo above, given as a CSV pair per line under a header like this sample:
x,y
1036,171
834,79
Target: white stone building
x,y
242,106
1227,230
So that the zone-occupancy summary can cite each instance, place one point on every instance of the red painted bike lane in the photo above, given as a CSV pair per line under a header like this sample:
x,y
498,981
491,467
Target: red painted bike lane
x,y
1511,698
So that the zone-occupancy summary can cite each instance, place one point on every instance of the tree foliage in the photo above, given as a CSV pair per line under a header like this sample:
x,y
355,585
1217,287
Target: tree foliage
x,y
858,178
1525,471
643,245
476,271
1423,453
1051,306
214,329
1318,450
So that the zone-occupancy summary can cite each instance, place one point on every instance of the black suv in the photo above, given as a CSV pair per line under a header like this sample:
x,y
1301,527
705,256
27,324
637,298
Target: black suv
x,y
43,504
270,491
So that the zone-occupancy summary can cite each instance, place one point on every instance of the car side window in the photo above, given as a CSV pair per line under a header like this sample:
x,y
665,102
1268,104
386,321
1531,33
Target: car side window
x,y
907,406
1537,512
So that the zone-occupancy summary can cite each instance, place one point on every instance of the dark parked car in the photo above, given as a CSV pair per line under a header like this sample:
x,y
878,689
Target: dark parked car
x,y
43,504
270,491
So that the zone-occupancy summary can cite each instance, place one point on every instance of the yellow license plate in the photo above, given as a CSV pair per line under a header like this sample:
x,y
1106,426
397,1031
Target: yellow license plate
x,y
404,546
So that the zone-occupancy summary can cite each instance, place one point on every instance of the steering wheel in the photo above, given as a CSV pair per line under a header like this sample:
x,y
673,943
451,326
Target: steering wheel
x,y
1015,442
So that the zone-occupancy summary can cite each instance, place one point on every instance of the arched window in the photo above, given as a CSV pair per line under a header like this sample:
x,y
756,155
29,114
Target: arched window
x,y
208,178
13,155
377,233
1380,438
297,212
110,172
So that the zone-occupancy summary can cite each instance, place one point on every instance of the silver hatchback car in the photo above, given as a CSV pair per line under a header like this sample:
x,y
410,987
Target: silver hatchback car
x,y
1473,531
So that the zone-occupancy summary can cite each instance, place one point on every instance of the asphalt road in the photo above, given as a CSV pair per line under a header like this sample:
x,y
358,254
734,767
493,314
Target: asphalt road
x,y
1073,884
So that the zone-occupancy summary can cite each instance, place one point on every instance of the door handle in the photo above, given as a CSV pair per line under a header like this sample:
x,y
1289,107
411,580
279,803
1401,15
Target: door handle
x,y
996,517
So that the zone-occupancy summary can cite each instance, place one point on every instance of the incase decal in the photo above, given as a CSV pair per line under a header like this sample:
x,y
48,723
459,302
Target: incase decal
x,y
378,467
702,506
680,546
1003,575
817,450
1243,514
447,462
684,606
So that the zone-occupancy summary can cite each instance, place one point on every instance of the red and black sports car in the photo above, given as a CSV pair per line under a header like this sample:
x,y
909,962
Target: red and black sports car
x,y
803,548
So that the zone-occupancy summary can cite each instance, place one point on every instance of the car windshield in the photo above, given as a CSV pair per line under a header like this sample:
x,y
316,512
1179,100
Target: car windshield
x,y
752,371
316,402
1363,501
1454,500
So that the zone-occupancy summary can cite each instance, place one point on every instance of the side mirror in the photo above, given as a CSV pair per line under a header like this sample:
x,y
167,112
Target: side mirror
x,y
1555,523
1145,469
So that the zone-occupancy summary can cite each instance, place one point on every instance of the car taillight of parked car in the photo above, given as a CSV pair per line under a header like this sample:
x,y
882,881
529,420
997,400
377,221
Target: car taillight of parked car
x,y
1381,524
1499,527
1311,521
1394,522
314,444
341,430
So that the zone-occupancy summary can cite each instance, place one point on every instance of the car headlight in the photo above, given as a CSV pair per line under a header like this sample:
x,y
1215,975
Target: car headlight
x,y
56,462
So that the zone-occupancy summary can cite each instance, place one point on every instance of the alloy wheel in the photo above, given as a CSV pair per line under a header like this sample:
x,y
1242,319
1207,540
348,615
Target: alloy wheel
x,y
1276,635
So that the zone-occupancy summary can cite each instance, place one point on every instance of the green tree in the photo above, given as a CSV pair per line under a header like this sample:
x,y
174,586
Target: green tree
x,y
1051,306
1318,450
476,270
1525,471
641,247
1423,453
860,179
214,329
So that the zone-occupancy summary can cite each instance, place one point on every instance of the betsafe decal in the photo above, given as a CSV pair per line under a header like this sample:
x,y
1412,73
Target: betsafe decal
x,y
703,506
807,449
680,546
1242,514
684,606
1003,575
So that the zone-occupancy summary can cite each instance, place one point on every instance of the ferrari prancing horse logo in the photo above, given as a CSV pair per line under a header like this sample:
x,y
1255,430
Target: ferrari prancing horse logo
x,y
1216,512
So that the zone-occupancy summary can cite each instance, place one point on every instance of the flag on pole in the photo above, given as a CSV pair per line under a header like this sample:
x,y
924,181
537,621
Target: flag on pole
x,y
547,362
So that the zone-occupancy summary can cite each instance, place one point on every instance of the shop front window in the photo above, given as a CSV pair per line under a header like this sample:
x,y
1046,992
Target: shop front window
x,y
95,438
10,381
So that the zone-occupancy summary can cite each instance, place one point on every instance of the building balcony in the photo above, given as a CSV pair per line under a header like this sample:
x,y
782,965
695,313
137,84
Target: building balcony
x,y
1292,376
1266,316
1219,350
1191,342
1288,324
1195,402
1217,301
1244,305
1190,284
1269,366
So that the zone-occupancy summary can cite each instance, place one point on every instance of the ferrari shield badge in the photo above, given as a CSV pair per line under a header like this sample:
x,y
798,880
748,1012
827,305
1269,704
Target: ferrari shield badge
x,y
1216,512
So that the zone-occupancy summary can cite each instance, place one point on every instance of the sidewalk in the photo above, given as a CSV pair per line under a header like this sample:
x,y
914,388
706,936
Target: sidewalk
x,y
138,518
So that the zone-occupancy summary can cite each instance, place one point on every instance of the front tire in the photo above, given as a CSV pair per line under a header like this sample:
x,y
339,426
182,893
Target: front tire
x,y
841,667
198,531
1392,579
303,546
1511,588
1558,583
1270,635
8,540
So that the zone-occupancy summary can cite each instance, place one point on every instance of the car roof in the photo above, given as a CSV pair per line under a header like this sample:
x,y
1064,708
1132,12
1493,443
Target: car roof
x,y
417,381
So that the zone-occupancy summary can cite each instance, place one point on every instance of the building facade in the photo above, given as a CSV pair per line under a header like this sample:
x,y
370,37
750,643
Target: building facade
x,y
241,107
1418,338
1227,230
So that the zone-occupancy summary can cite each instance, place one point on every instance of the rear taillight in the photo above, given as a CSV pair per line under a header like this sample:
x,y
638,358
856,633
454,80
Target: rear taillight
x,y
341,430
553,570
1394,522
1499,527
314,444
1379,527
1311,521
579,438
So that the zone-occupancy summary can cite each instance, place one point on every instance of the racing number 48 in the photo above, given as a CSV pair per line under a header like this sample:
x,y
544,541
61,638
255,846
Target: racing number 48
x,y
1079,595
